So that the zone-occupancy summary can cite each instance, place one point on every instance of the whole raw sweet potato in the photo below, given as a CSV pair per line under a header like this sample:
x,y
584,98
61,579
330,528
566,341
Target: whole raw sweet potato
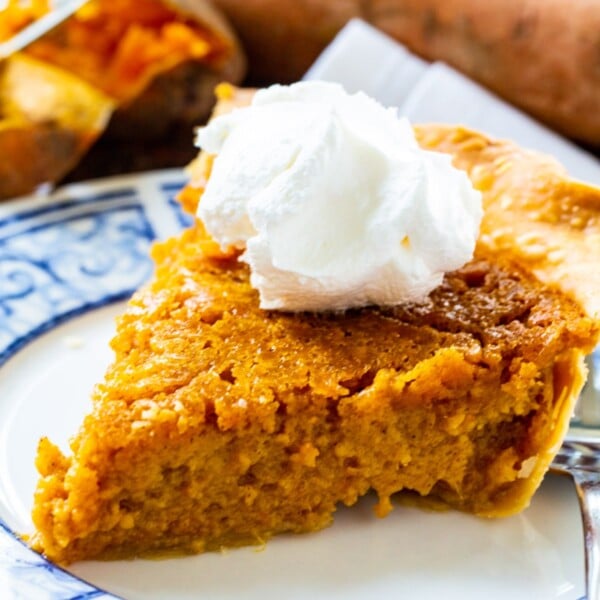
x,y
542,55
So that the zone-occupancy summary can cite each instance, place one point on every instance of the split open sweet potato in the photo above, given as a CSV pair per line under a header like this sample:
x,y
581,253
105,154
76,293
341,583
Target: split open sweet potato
x,y
159,59
140,68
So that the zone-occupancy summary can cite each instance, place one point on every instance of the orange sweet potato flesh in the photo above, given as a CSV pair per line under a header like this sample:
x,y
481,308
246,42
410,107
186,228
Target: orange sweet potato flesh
x,y
541,55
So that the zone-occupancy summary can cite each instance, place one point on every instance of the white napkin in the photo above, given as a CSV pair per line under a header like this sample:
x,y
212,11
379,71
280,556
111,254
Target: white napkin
x,y
363,58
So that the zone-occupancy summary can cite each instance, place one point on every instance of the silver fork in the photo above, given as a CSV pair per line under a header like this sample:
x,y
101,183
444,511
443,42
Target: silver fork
x,y
579,457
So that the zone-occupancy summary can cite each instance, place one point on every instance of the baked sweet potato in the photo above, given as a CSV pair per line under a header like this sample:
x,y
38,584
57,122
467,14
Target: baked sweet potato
x,y
541,55
130,69
159,59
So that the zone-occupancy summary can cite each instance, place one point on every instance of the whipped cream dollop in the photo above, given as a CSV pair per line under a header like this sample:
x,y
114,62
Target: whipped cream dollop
x,y
333,200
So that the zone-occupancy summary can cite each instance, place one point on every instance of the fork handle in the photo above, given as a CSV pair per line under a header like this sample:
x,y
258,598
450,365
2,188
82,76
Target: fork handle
x,y
587,484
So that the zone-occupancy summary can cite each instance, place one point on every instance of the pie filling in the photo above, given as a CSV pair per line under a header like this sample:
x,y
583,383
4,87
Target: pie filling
x,y
222,424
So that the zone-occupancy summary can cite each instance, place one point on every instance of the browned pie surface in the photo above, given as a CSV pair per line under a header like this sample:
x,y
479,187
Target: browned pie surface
x,y
534,213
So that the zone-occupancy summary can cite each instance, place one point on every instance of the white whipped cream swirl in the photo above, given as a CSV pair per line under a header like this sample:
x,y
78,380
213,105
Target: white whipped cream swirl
x,y
333,200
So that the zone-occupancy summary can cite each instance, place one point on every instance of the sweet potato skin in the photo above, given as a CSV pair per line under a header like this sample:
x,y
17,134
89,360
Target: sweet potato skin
x,y
32,167
282,38
541,55
49,120
182,95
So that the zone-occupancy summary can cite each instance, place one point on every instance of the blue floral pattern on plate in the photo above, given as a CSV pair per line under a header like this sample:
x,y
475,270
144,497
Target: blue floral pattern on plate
x,y
84,248
25,574
54,269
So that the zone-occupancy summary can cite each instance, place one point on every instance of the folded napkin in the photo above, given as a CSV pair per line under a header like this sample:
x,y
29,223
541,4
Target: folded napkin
x,y
363,58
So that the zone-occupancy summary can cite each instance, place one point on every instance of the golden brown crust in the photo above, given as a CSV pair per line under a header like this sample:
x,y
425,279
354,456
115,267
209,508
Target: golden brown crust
x,y
533,212
538,54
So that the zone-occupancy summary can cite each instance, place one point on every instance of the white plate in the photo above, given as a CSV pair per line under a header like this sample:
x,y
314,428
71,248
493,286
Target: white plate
x,y
63,265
